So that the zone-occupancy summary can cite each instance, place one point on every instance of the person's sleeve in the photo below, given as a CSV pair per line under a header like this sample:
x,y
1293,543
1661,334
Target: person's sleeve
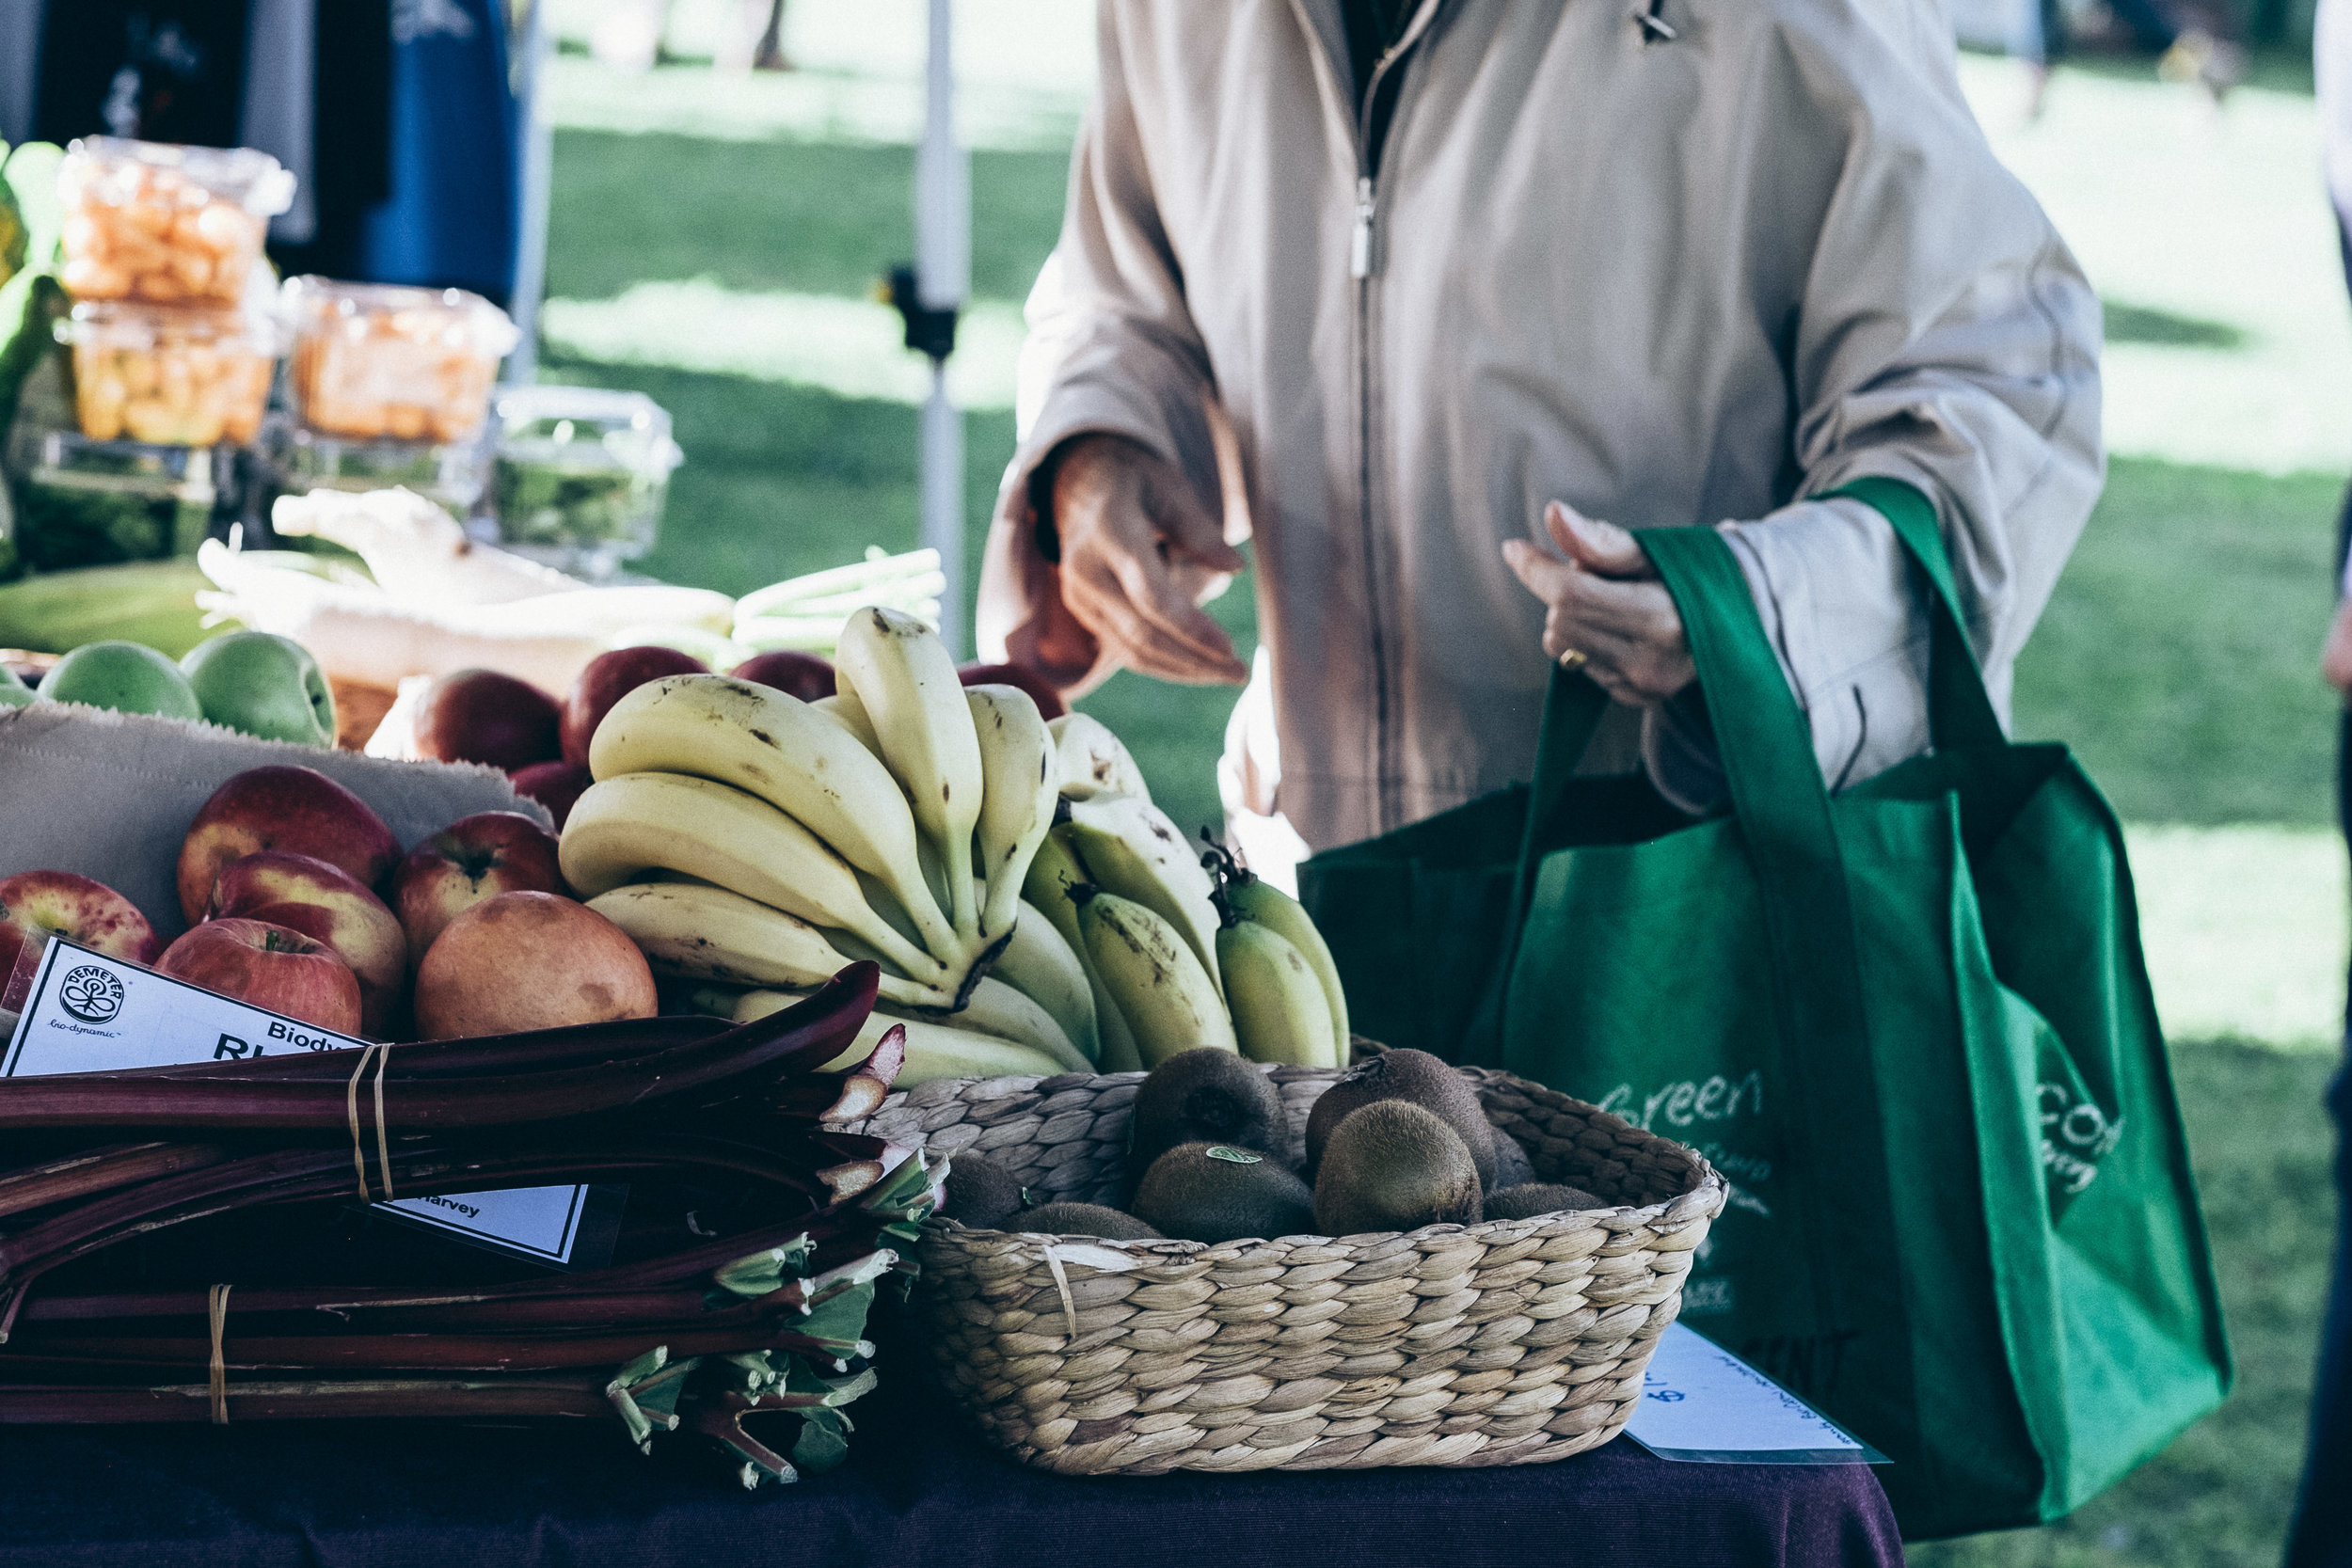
x,y
1948,340
1112,349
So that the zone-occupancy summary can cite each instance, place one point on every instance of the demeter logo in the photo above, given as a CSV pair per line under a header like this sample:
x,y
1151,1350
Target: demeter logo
x,y
90,994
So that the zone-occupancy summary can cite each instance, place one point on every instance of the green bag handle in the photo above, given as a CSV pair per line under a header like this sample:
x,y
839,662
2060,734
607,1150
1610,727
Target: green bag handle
x,y
1776,786
1960,711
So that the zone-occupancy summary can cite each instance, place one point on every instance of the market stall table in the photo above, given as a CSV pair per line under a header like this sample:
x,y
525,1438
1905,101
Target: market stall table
x,y
920,1491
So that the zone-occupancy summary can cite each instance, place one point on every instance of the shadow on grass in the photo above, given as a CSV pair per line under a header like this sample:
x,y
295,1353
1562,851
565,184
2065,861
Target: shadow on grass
x,y
2145,323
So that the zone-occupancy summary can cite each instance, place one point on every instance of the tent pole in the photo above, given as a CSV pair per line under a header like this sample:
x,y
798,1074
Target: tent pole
x,y
943,279
537,131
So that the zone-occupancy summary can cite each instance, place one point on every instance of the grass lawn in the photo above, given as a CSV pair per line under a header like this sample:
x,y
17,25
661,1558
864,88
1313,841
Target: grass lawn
x,y
2176,658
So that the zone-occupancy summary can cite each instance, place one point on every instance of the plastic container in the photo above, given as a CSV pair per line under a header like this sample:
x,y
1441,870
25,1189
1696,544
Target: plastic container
x,y
164,224
299,461
170,376
377,361
579,475
81,502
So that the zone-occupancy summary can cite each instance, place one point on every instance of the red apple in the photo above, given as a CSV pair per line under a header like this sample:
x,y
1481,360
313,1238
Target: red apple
x,y
607,679
295,809
326,904
1049,700
36,905
270,967
482,716
554,786
801,675
529,960
472,861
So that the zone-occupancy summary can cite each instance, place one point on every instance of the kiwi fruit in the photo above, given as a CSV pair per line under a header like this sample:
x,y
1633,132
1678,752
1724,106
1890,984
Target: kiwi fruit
x,y
1207,1192
1531,1199
980,1193
1393,1166
1513,1169
1205,1096
1082,1219
1419,1078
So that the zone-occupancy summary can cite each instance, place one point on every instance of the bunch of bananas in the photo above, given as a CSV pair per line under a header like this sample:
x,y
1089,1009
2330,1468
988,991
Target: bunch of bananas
x,y
1181,951
755,844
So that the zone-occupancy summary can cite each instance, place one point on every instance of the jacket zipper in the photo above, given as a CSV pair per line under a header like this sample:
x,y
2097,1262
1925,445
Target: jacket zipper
x,y
1360,268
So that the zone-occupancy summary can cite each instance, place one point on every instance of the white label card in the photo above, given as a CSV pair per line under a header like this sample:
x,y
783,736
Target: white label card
x,y
91,1013
1702,1404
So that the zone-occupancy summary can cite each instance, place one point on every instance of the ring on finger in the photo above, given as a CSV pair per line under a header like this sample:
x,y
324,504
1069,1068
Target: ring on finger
x,y
1572,660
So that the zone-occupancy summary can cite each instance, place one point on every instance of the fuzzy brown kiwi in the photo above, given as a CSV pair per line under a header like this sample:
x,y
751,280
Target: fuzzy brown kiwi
x,y
1206,1192
1408,1075
1081,1219
1203,1095
1513,1169
1393,1166
1531,1199
980,1193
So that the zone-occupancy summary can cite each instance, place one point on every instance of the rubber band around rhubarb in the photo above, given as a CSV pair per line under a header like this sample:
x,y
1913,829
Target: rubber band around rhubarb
x,y
219,1313
383,1139
381,1053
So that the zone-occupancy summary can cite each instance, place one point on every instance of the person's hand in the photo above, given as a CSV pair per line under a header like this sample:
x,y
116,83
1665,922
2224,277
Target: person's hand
x,y
1138,553
2335,660
1607,604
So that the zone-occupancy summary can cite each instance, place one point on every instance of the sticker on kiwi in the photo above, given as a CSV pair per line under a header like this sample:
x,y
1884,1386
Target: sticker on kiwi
x,y
1234,1156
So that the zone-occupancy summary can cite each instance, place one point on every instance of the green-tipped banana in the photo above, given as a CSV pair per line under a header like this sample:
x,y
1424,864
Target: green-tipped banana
x,y
995,1008
624,827
1279,1015
1260,902
1055,878
691,930
1018,799
1163,991
1129,848
801,761
933,1050
1091,759
902,676
1039,963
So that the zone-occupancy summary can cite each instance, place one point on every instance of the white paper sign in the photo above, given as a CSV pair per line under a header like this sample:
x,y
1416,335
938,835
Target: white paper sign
x,y
1701,1402
91,1013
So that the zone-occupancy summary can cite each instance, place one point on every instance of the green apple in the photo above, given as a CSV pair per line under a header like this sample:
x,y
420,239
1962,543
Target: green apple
x,y
131,677
14,692
262,685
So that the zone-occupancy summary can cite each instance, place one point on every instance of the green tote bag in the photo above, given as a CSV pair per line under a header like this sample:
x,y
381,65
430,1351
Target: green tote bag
x,y
1910,1023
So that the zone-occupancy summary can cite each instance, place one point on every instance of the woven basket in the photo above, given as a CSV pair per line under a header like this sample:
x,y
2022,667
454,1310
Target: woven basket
x,y
1503,1343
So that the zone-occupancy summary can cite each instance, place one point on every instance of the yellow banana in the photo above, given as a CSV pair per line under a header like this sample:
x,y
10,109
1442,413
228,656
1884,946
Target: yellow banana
x,y
626,826
933,1050
995,1008
902,676
1092,759
1276,1000
843,709
798,760
1129,848
696,931
1261,902
1053,874
1018,798
1169,1000
1039,963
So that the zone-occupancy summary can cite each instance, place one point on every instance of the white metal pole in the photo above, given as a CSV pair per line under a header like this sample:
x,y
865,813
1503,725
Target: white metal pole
x,y
538,160
942,278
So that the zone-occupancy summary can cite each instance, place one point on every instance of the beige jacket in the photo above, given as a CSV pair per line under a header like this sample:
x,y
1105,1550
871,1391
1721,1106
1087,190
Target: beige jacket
x,y
1690,281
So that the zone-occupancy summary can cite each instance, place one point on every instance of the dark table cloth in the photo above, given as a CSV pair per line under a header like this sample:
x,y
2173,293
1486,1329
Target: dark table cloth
x,y
920,1491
